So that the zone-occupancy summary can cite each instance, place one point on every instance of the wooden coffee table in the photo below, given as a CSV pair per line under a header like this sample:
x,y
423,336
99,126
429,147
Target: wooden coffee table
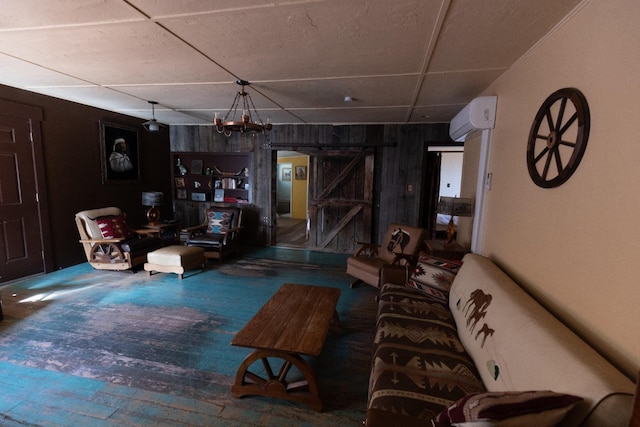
x,y
294,322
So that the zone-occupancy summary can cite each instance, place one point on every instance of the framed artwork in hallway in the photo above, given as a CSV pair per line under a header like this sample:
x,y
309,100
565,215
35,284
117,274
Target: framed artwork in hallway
x,y
301,172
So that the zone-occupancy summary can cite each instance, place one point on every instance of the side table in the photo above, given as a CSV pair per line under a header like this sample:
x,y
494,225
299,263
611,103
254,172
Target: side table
x,y
168,231
440,249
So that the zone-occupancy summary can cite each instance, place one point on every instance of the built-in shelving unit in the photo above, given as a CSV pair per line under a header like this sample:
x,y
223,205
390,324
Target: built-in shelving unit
x,y
212,177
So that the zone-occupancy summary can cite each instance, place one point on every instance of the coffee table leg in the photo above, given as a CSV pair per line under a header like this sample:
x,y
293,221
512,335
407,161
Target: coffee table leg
x,y
278,384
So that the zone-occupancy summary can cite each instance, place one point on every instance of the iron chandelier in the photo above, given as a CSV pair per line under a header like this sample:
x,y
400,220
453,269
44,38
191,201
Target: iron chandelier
x,y
249,120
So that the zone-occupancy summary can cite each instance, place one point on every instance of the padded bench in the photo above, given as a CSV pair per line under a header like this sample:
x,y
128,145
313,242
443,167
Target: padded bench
x,y
175,259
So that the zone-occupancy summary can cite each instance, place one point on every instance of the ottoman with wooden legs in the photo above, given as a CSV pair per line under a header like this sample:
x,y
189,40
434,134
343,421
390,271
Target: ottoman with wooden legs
x,y
175,259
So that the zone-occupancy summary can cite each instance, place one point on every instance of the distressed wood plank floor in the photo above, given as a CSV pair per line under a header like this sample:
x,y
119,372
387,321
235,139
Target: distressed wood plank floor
x,y
82,347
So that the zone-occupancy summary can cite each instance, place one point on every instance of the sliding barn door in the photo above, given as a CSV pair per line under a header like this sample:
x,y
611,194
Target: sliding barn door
x,y
340,199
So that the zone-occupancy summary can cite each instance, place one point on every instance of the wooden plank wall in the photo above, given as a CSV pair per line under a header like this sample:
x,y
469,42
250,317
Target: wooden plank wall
x,y
399,157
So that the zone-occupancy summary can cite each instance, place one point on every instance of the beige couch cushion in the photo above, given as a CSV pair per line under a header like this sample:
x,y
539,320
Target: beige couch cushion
x,y
517,345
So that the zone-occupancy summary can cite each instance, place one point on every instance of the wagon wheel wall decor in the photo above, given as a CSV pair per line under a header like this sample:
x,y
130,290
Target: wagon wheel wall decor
x,y
558,138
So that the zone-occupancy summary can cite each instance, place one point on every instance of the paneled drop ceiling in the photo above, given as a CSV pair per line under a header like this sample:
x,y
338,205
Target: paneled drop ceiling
x,y
401,61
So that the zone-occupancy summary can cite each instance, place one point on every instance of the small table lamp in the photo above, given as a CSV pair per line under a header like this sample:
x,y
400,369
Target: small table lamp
x,y
153,199
454,206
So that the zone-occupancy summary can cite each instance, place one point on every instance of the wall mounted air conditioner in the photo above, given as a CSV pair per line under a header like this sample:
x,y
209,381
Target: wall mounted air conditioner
x,y
478,114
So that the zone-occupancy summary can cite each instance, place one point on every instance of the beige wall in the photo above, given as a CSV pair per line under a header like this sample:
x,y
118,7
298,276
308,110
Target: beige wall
x,y
576,247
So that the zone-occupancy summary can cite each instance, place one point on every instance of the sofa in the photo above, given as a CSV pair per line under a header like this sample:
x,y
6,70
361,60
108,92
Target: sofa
x,y
465,345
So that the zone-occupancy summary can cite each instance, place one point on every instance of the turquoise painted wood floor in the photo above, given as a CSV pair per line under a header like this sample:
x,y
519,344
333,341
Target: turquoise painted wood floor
x,y
82,347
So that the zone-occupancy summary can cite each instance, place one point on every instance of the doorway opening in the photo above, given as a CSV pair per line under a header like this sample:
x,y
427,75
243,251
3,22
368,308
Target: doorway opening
x,y
444,178
292,199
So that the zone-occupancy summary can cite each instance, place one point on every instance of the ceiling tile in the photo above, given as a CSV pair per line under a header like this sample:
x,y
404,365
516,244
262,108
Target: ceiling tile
x,y
435,113
456,87
364,91
22,74
311,40
476,36
139,52
55,13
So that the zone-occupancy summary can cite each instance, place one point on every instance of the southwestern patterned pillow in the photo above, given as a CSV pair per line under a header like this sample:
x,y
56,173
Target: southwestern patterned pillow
x,y
506,409
433,276
114,227
219,222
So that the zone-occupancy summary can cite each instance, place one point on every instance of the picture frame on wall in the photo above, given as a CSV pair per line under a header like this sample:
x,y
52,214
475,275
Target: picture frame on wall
x,y
301,172
119,153
286,174
180,183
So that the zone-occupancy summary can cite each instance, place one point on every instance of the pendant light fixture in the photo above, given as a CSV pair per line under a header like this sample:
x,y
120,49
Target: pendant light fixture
x,y
152,125
247,121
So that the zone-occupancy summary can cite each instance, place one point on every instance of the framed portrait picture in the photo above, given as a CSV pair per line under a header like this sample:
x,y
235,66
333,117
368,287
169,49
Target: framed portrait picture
x,y
119,153
180,182
286,174
181,193
196,167
301,172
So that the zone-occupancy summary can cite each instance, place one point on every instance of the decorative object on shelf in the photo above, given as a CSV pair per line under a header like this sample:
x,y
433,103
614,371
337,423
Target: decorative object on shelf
x,y
153,199
558,138
180,183
182,170
181,193
241,172
196,167
152,125
120,154
218,195
249,121
199,197
229,183
454,207
301,172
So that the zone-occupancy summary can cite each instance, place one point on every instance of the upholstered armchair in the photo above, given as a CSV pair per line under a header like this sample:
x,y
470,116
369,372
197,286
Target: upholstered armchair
x,y
218,234
400,245
109,243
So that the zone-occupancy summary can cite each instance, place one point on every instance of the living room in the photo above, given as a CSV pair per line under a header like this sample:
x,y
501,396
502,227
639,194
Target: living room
x,y
557,243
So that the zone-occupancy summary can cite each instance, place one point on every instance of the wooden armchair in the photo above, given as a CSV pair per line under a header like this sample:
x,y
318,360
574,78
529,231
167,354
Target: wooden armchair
x,y
401,244
108,243
218,233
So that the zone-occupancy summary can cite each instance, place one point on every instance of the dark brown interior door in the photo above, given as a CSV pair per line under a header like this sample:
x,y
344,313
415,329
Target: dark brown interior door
x,y
21,251
340,199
